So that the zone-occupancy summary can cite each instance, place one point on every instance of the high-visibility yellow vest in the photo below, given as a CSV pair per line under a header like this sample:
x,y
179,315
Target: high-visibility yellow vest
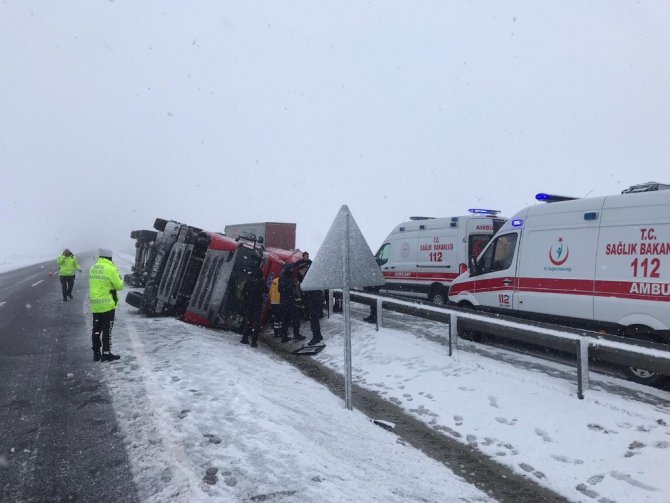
x,y
103,279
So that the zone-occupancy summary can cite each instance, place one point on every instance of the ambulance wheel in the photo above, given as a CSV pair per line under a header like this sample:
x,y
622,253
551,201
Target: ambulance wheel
x,y
645,376
467,333
438,295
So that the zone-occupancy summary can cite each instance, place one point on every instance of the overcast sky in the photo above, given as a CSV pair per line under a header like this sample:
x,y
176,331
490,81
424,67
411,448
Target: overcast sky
x,y
113,113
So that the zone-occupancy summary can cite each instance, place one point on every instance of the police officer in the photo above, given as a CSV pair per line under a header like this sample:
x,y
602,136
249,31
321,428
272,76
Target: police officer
x,y
67,264
104,282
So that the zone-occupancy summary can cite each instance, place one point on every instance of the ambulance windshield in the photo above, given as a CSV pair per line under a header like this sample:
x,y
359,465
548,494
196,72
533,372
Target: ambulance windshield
x,y
498,256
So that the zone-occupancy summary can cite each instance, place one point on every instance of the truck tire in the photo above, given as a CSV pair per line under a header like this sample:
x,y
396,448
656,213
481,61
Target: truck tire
x,y
159,224
146,235
134,299
438,295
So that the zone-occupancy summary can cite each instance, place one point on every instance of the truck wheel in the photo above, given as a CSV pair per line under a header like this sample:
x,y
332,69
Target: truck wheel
x,y
134,299
159,224
438,295
146,236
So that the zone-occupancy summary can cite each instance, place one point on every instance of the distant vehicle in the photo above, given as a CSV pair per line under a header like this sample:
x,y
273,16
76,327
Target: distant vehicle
x,y
601,263
421,257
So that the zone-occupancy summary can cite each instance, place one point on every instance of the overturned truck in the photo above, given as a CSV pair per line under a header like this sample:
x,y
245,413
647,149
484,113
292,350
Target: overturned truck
x,y
200,276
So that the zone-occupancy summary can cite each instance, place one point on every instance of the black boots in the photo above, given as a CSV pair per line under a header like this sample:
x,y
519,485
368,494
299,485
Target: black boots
x,y
108,357
314,341
96,357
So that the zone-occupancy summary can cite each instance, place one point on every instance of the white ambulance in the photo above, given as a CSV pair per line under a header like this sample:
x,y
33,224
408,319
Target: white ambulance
x,y
421,257
601,263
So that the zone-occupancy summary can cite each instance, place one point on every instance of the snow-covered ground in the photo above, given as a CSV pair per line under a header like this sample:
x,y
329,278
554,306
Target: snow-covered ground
x,y
206,418
12,263
179,384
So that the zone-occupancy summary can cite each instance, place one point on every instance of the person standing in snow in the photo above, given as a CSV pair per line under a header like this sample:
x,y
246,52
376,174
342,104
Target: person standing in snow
x,y
104,283
253,298
275,306
288,288
314,304
67,265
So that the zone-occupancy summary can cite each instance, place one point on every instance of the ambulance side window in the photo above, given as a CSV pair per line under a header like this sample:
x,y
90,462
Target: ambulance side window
x,y
498,256
383,254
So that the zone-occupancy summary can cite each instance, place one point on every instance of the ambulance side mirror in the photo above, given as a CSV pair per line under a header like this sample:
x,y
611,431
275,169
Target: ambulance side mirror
x,y
473,265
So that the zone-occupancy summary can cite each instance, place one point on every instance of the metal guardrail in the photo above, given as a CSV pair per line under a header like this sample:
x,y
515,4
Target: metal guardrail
x,y
583,344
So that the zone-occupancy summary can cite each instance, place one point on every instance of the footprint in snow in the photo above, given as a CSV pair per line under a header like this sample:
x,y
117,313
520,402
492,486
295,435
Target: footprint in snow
x,y
175,379
565,459
458,420
493,402
597,427
506,421
596,479
210,476
586,491
545,436
624,477
183,413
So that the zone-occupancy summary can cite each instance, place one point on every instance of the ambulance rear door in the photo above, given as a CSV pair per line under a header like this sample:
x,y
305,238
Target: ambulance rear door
x,y
437,255
400,269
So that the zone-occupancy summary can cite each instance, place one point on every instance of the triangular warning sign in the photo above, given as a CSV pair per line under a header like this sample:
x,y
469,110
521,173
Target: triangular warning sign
x,y
344,244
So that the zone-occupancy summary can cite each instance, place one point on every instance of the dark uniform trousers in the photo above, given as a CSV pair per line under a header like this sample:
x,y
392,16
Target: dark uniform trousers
x,y
67,284
102,331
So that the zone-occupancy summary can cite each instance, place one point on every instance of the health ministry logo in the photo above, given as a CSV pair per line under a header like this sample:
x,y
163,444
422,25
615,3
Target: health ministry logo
x,y
559,253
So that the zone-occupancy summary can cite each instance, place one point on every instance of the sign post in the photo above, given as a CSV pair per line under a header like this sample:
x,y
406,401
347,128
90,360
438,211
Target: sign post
x,y
344,261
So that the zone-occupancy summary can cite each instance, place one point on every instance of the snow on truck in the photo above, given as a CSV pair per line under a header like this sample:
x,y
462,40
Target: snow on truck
x,y
600,263
421,257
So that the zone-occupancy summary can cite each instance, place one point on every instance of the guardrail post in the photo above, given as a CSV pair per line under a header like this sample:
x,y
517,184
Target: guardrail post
x,y
380,314
453,332
582,367
331,301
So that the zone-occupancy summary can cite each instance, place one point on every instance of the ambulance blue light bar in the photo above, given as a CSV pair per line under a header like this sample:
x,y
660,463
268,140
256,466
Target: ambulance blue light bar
x,y
482,211
552,198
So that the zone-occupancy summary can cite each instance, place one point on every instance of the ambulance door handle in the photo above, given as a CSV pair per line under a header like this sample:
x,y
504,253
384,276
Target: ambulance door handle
x,y
507,282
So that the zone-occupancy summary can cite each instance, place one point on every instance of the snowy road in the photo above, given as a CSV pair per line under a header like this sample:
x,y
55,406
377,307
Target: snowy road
x,y
59,439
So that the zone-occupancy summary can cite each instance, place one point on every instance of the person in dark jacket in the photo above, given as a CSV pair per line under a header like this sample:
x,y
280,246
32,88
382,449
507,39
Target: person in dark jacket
x,y
288,289
253,299
313,304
